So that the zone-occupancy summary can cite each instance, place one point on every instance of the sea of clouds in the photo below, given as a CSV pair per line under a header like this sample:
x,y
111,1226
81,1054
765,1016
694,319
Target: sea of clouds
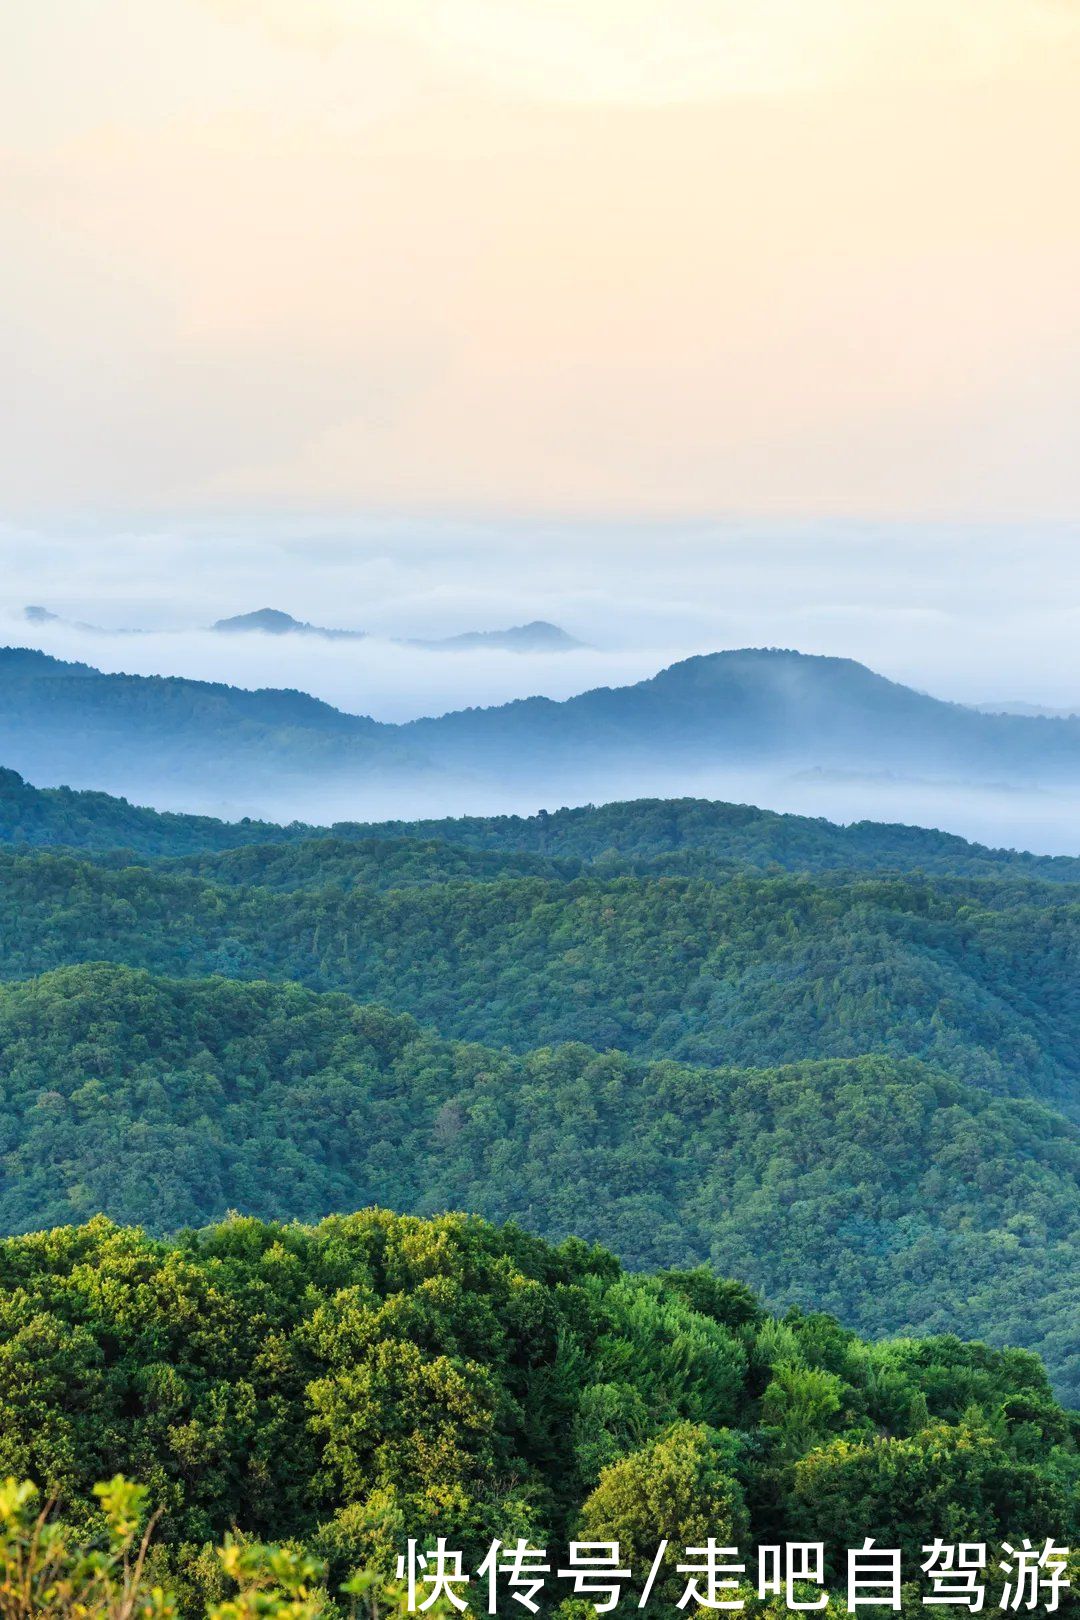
x,y
970,614
973,615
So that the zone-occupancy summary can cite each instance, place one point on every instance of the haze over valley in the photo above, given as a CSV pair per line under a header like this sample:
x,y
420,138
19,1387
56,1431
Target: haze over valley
x,y
365,616
776,727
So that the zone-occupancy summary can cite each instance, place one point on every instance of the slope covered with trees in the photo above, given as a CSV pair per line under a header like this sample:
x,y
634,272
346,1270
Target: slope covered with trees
x,y
348,1385
977,977
61,816
703,836
195,743
874,1188
841,1063
690,836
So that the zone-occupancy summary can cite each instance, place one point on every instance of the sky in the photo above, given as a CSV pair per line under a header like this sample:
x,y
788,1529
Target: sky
x,y
580,259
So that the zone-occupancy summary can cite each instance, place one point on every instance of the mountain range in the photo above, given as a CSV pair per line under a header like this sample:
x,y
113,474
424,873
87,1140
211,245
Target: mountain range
x,y
1032,710
198,745
839,1062
674,836
538,636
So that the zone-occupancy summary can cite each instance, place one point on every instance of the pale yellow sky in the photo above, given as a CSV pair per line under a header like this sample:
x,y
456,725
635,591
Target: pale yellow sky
x,y
611,256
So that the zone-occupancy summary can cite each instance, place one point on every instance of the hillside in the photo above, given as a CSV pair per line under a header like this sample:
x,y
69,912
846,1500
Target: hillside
x,y
67,724
702,835
840,1063
339,1386
754,705
689,836
872,1187
193,743
976,977
87,820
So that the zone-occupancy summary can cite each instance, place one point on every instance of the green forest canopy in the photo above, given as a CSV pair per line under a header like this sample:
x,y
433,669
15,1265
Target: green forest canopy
x,y
376,1376
840,1063
701,832
873,1187
977,976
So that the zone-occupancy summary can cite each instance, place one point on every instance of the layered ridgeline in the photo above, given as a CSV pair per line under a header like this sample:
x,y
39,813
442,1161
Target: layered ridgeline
x,y
886,1060
977,976
349,1385
873,1187
159,738
193,744
699,836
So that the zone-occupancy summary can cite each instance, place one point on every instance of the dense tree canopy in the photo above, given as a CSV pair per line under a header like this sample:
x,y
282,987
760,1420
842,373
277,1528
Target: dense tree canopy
x,y
839,1065
874,1187
976,976
691,835
378,1376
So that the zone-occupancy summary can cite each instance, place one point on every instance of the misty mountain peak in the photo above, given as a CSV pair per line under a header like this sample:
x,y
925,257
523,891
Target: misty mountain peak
x,y
539,635
273,622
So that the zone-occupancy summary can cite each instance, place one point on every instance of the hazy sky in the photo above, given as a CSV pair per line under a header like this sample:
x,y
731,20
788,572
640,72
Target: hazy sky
x,y
589,257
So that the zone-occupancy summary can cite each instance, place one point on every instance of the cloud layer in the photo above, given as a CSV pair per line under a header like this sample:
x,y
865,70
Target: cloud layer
x,y
968,613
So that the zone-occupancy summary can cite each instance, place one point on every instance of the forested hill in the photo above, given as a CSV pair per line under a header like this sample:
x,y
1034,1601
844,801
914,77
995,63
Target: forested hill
x,y
88,820
873,1187
757,704
843,1063
694,834
341,1387
976,976
680,835
197,743
151,735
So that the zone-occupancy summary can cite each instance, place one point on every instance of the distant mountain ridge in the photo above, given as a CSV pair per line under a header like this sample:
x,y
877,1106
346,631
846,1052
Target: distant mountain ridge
x,y
537,636
273,622
755,707
1031,710
170,738
161,737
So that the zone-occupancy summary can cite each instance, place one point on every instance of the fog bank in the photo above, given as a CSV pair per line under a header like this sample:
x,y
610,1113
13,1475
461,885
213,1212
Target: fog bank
x,y
971,613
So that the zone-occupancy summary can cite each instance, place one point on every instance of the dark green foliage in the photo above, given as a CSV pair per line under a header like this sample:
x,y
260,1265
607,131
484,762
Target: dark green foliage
x,y
337,862
977,977
833,1086
699,836
377,1376
98,821
873,1187
692,837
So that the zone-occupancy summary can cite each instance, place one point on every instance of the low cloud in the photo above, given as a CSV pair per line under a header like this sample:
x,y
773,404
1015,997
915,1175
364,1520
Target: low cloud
x,y
967,614
972,614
